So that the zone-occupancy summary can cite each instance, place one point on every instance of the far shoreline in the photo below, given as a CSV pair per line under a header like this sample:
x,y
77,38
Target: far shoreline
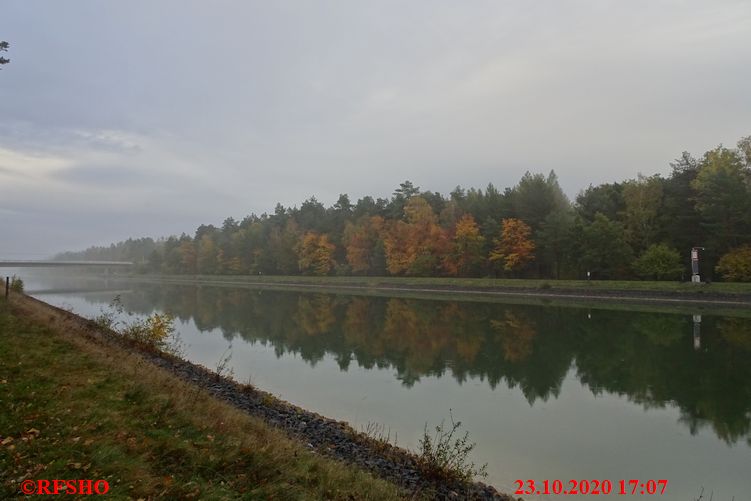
x,y
733,296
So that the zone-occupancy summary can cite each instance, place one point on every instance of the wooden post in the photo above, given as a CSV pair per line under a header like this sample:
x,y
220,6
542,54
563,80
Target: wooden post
x,y
7,286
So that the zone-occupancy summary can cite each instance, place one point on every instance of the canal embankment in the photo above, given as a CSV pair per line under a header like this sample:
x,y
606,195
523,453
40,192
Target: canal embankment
x,y
610,292
84,403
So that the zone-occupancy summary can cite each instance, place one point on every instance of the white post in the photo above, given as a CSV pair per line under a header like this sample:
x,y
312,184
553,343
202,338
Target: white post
x,y
695,278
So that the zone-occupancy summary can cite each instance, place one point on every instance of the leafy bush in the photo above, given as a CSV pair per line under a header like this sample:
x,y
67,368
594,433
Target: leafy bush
x,y
446,454
152,331
16,284
659,262
157,331
735,266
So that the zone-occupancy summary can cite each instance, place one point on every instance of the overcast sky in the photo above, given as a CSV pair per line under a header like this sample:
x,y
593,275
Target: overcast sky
x,y
148,118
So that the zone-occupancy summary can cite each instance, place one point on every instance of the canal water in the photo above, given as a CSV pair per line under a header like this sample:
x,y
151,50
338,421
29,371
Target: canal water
x,y
546,392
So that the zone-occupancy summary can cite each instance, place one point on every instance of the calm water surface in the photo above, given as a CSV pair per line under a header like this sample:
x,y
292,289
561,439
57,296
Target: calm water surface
x,y
546,392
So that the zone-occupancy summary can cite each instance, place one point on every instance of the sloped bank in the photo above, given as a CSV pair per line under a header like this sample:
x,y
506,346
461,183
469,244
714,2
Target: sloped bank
x,y
326,436
670,294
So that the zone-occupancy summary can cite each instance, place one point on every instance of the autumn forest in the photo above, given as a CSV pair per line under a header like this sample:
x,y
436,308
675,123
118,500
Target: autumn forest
x,y
641,228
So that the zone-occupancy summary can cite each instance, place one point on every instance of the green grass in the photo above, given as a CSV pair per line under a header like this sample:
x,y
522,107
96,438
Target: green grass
x,y
476,283
74,409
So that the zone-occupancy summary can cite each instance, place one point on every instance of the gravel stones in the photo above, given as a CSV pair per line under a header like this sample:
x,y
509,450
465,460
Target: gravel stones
x,y
326,436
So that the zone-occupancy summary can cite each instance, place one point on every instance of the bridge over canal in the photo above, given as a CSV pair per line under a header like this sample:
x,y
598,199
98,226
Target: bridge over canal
x,y
4,263
105,266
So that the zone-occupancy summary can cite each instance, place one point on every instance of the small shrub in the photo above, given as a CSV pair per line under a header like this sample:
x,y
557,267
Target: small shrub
x,y
446,454
16,284
659,262
545,286
735,266
153,331
157,331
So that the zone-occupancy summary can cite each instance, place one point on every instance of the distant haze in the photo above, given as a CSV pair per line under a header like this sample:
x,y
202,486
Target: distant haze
x,y
143,118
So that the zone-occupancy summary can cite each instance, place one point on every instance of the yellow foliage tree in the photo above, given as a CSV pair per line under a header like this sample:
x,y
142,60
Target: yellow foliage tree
x,y
466,253
514,249
315,254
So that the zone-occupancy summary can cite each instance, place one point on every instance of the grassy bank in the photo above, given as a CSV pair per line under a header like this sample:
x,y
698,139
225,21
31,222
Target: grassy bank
x,y
77,409
733,299
733,305
583,286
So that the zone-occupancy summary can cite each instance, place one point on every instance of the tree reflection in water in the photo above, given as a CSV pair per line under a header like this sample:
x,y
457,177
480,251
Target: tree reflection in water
x,y
647,357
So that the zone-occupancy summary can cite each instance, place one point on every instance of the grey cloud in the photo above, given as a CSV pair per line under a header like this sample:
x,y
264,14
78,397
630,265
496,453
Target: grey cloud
x,y
238,105
105,175
10,172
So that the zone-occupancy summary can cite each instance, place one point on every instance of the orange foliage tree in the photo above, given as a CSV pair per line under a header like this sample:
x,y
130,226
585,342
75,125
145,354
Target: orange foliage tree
x,y
418,245
514,249
315,254
361,240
